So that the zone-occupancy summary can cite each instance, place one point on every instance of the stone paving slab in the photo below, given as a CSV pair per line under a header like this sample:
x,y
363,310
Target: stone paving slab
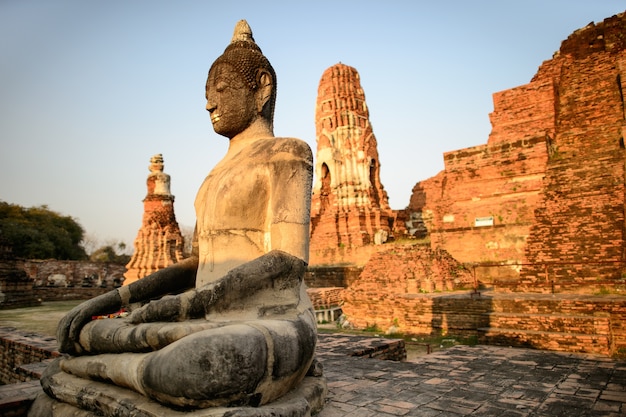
x,y
15,399
477,381
458,381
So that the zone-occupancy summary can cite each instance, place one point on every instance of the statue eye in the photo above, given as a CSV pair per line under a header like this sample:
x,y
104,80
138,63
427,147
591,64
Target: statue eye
x,y
221,86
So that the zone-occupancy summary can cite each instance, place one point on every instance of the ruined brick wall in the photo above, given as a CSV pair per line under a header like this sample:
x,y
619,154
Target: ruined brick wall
x,y
64,274
480,208
343,255
432,314
398,271
16,287
20,348
349,207
33,281
331,276
571,323
580,218
324,298
70,293
548,186
568,322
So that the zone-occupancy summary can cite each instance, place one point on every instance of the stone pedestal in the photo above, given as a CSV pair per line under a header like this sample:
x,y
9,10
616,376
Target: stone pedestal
x,y
86,398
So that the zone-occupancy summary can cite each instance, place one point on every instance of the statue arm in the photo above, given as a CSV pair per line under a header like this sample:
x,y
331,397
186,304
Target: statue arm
x,y
173,279
276,269
291,184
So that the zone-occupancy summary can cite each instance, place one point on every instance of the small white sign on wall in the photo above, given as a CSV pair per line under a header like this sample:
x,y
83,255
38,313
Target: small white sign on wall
x,y
483,221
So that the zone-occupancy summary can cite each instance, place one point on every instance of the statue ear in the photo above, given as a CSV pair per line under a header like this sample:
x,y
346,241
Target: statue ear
x,y
266,84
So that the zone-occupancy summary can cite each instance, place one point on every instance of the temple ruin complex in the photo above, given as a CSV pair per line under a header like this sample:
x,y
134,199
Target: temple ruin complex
x,y
159,242
535,215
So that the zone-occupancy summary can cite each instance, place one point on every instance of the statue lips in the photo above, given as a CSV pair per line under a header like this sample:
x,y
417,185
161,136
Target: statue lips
x,y
215,118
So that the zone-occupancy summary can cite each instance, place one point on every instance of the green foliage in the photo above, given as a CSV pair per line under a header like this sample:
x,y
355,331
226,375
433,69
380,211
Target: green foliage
x,y
108,254
39,233
373,328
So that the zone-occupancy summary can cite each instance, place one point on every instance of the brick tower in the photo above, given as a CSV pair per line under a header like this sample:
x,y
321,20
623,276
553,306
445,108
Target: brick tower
x,y
159,242
349,208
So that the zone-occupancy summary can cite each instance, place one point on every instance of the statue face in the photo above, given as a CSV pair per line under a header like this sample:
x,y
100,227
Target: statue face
x,y
229,100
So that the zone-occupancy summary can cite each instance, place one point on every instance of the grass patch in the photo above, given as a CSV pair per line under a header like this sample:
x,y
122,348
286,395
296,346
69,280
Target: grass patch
x,y
42,319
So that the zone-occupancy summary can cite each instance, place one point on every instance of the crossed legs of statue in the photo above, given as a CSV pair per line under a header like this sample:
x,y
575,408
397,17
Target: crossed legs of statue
x,y
245,364
245,339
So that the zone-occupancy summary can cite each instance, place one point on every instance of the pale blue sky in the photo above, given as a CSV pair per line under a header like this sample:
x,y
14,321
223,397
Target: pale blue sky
x,y
90,90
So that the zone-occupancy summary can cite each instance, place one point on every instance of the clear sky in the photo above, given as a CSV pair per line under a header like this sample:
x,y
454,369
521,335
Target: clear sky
x,y
90,90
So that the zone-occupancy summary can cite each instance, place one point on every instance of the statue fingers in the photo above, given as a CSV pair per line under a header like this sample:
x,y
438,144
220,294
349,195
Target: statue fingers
x,y
165,309
136,316
70,326
169,309
68,331
63,336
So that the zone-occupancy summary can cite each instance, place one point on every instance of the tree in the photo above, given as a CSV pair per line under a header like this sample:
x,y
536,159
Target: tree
x,y
108,253
39,233
187,233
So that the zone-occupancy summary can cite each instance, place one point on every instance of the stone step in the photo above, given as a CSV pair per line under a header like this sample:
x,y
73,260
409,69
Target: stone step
x,y
559,341
16,399
567,323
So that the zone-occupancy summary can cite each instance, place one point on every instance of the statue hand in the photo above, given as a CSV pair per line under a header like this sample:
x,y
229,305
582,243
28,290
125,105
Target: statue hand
x,y
68,330
167,308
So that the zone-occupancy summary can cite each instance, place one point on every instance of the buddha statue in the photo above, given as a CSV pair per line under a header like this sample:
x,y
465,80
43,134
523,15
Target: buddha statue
x,y
231,326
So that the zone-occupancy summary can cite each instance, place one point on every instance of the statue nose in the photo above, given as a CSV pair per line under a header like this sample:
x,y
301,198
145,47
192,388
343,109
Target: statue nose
x,y
210,107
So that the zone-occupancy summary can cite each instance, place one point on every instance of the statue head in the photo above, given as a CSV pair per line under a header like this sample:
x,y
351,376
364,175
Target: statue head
x,y
241,85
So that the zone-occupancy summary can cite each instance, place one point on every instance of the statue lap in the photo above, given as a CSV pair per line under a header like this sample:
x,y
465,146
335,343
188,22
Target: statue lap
x,y
224,364
250,350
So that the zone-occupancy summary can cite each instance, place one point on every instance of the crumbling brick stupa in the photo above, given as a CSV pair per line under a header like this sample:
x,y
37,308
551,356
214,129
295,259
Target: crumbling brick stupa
x,y
349,208
159,242
546,194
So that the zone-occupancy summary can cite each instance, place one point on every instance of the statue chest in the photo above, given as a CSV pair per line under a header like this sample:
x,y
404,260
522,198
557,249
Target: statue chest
x,y
234,198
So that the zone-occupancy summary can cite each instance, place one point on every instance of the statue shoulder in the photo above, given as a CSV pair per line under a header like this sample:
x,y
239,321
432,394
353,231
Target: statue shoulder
x,y
292,148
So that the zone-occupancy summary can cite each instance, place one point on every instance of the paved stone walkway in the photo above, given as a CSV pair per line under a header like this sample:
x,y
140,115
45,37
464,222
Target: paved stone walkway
x,y
477,381
458,381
